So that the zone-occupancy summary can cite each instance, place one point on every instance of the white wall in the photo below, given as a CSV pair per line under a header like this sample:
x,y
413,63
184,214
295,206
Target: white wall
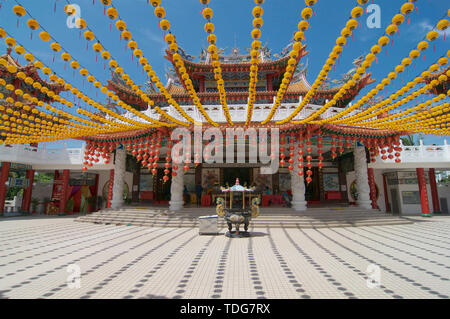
x,y
444,192
104,178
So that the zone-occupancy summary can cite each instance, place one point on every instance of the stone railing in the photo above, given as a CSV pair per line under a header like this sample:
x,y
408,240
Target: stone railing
x,y
422,154
25,154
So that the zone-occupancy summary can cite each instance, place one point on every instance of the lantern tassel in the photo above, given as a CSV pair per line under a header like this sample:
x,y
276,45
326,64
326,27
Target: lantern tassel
x,y
54,8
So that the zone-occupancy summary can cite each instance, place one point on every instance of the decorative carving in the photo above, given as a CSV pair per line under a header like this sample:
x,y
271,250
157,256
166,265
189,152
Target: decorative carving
x,y
119,176
220,208
362,179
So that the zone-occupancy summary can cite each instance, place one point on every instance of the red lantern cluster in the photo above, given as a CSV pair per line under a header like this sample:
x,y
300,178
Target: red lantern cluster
x,y
300,154
308,157
333,146
94,152
291,151
282,149
319,149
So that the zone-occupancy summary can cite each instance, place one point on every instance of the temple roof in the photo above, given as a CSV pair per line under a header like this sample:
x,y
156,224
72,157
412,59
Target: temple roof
x,y
31,71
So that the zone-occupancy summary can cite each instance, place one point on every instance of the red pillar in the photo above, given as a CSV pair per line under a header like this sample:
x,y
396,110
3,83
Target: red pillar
x,y
434,191
423,192
201,82
96,191
110,188
373,189
27,193
386,198
3,179
269,82
64,195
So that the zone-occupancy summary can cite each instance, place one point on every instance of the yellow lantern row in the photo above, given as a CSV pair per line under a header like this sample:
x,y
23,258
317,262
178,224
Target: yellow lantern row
x,y
132,44
56,47
299,36
351,24
160,13
368,60
414,54
212,49
410,97
254,58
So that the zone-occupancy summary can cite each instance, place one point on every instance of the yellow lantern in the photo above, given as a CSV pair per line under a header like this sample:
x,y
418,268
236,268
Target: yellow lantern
x,y
84,72
156,3
164,24
70,9
44,36
423,45
74,65
407,8
126,35
2,33
398,19
106,2
256,33
55,46
121,25
97,47
112,13
19,50
209,27
160,12
33,24
432,35
89,35
207,13
303,25
66,56
19,11
391,29
442,25
306,13
357,12
10,42
113,64
384,40
132,45
80,23
105,55
414,54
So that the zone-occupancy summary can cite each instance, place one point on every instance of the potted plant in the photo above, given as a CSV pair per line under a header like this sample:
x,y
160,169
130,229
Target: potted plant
x,y
34,205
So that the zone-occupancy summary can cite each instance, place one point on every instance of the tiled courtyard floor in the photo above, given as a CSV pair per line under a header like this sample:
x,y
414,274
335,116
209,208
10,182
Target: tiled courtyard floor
x,y
136,262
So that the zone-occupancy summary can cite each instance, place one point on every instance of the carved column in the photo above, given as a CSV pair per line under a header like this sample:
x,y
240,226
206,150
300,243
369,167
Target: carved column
x,y
176,190
297,186
3,188
119,178
362,178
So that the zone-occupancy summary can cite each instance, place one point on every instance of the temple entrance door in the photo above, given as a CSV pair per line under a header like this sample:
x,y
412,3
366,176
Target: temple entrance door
x,y
161,189
230,175
312,190
394,196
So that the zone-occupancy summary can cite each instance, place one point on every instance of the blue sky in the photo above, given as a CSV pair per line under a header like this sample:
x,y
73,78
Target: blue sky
x,y
233,23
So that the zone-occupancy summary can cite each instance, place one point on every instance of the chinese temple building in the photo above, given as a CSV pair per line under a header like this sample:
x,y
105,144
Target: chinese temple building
x,y
200,130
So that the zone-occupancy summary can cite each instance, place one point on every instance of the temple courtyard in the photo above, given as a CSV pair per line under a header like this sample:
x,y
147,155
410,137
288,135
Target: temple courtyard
x,y
40,258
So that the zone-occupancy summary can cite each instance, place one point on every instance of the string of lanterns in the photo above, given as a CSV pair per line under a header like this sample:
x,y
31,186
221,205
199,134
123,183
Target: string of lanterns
x,y
254,55
398,19
97,47
212,49
294,55
160,13
126,35
414,54
351,24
